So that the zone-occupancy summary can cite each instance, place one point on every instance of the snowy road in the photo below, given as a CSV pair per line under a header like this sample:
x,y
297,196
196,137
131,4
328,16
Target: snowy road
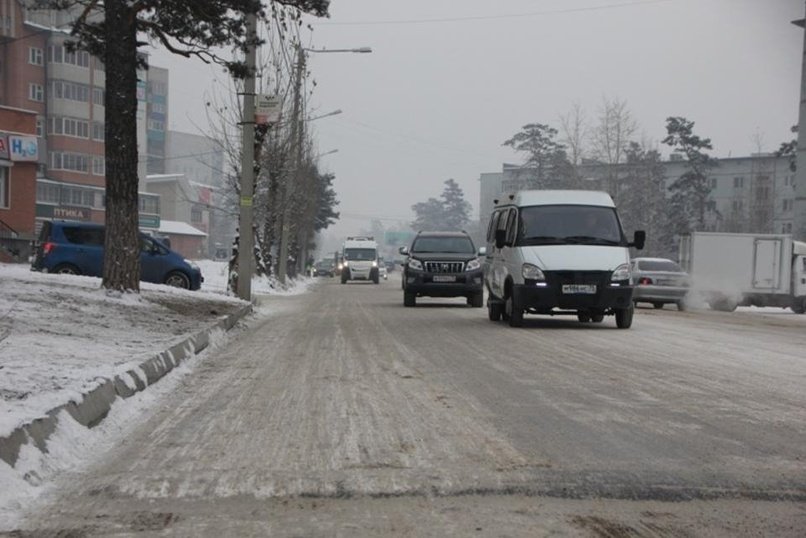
x,y
348,415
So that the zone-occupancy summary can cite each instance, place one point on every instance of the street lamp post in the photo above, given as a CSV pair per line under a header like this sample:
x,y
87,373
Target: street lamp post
x,y
298,137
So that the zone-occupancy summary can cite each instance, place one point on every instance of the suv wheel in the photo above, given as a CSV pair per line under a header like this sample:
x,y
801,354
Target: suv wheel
x,y
409,299
66,269
177,279
494,310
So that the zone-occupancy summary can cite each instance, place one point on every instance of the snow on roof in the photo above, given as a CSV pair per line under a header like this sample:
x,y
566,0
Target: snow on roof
x,y
179,228
163,177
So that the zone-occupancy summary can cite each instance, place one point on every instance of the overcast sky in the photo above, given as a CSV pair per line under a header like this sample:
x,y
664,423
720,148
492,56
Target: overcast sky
x,y
449,81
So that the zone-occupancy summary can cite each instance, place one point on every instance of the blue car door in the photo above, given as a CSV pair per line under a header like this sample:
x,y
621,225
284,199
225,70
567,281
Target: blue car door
x,y
152,260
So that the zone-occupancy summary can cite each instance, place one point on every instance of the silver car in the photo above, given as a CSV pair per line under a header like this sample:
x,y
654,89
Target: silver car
x,y
659,281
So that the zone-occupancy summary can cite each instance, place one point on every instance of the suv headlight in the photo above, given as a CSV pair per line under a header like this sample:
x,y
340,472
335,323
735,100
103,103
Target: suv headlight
x,y
473,264
622,273
415,264
532,272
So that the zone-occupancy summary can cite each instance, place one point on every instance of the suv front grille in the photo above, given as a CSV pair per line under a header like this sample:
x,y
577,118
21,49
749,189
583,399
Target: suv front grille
x,y
444,267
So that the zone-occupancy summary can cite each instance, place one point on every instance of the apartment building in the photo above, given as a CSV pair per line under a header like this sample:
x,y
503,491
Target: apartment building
x,y
753,193
19,154
65,90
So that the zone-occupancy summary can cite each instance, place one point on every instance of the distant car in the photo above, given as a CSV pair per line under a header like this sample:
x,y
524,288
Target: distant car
x,y
77,248
442,264
383,271
659,281
324,268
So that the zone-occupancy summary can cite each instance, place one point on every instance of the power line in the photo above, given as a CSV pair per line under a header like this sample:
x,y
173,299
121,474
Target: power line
x,y
491,17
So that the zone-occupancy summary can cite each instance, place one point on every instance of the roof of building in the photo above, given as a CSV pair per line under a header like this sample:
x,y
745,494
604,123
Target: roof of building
x,y
179,228
153,178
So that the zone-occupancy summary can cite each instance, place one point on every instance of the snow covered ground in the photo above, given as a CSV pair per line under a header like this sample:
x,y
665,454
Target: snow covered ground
x,y
61,335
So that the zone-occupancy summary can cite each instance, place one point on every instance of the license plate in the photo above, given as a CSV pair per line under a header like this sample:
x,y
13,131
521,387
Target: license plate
x,y
444,278
587,289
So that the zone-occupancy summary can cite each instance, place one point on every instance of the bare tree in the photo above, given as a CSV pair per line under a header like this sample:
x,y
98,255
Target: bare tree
x,y
574,129
611,138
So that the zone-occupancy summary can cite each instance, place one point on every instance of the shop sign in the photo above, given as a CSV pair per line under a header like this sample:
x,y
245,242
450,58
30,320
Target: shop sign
x,y
3,147
149,221
23,148
63,212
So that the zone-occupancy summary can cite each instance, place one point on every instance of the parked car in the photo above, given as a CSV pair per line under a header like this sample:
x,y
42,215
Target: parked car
x,y
77,248
442,264
324,268
659,281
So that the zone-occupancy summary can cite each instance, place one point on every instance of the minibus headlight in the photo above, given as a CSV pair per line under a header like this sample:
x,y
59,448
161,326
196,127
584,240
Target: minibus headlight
x,y
532,272
622,273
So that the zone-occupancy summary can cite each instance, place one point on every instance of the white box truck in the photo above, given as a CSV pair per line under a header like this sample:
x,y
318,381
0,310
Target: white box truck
x,y
732,269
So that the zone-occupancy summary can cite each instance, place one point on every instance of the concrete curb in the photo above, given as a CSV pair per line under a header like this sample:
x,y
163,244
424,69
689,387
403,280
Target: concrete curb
x,y
95,404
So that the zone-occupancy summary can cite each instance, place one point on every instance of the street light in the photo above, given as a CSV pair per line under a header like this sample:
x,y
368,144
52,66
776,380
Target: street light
x,y
285,230
334,113
331,152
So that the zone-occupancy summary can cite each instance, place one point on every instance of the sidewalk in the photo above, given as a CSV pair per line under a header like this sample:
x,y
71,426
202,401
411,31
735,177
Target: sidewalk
x,y
67,345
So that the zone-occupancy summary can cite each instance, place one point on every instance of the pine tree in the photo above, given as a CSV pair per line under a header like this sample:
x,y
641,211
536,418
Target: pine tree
x,y
456,208
546,165
690,191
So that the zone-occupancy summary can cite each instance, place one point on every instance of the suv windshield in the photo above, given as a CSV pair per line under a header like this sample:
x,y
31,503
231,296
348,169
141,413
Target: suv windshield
x,y
659,265
568,224
452,245
359,254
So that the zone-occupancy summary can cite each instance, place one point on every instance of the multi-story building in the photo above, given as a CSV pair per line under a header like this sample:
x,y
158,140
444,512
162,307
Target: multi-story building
x,y
748,194
19,154
156,97
65,89
201,160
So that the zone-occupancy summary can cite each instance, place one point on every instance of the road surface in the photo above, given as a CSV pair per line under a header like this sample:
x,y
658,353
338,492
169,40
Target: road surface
x,y
346,414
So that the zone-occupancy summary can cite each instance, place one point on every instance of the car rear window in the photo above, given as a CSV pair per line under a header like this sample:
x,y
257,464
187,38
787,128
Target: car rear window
x,y
659,265
84,236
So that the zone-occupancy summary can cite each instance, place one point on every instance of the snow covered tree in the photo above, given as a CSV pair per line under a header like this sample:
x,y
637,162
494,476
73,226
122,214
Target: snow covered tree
x,y
690,191
610,140
114,30
644,205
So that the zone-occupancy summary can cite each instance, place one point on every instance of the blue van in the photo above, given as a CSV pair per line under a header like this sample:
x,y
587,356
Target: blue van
x,y
77,248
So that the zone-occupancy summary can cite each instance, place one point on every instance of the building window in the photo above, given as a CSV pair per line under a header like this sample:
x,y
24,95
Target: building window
x,y
156,125
195,214
47,193
159,108
712,183
69,127
788,203
738,205
786,228
36,92
69,161
98,131
40,126
150,204
98,166
35,56
59,54
738,182
99,65
99,96
71,91
5,196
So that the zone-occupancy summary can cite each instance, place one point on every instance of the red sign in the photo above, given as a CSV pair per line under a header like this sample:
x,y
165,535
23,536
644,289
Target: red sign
x,y
3,147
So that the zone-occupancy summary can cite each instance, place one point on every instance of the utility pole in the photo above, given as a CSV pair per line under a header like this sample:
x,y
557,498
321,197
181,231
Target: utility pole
x,y
297,136
799,209
246,237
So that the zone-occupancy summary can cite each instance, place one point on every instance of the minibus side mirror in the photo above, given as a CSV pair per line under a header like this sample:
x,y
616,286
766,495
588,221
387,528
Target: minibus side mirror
x,y
639,240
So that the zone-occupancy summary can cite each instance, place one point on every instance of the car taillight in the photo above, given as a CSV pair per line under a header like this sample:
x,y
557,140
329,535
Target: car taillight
x,y
47,247
645,281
